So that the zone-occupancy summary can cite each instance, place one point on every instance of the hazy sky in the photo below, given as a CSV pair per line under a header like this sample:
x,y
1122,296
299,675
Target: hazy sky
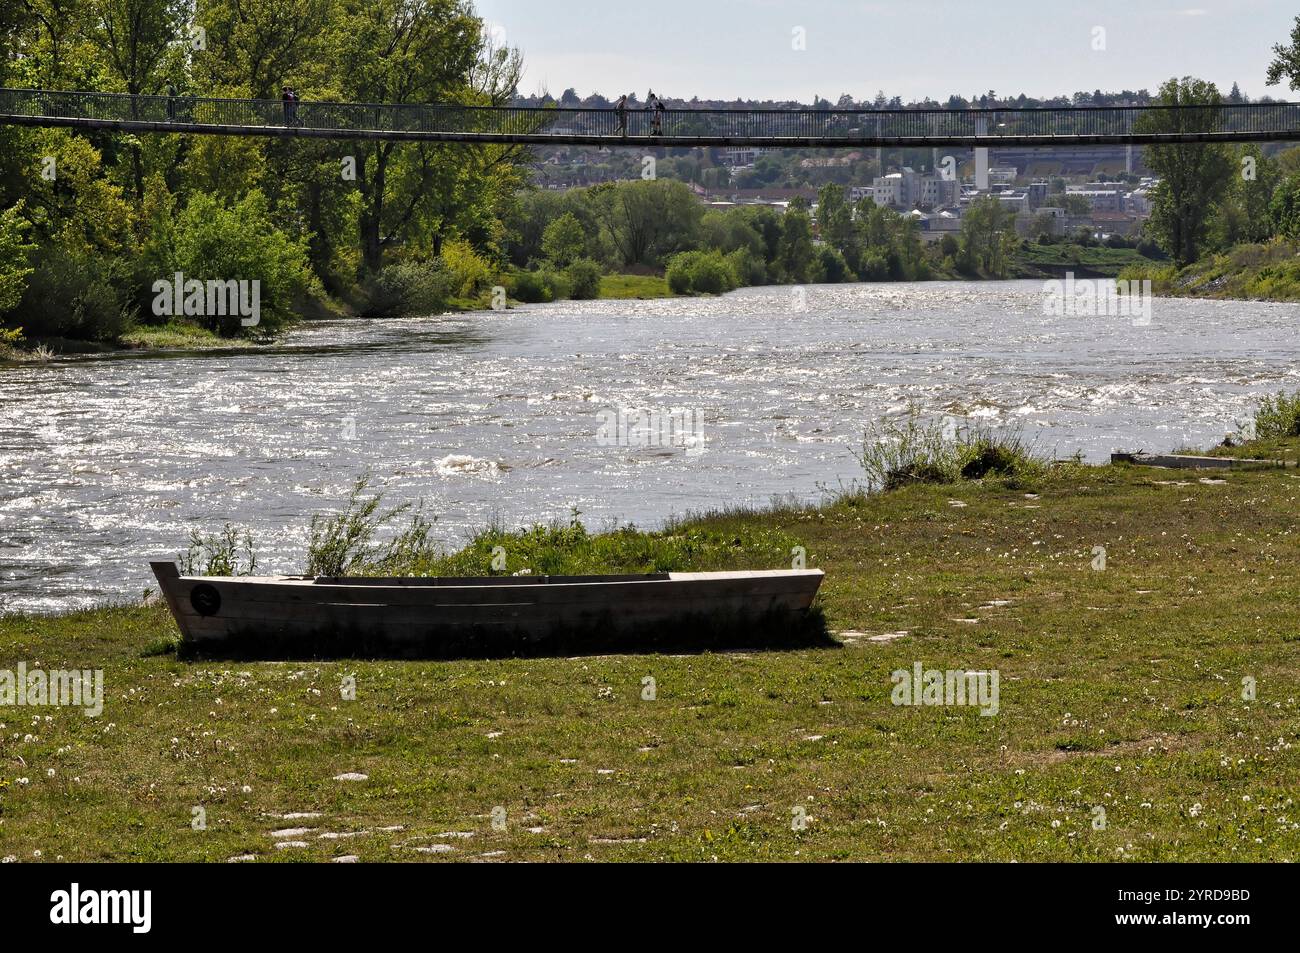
x,y
912,48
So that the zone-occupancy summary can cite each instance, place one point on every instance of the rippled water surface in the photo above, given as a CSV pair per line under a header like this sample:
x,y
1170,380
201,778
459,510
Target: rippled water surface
x,y
110,461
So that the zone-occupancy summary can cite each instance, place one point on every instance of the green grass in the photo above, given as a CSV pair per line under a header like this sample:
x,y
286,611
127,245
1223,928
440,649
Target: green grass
x,y
634,286
1033,260
1120,689
176,334
1269,272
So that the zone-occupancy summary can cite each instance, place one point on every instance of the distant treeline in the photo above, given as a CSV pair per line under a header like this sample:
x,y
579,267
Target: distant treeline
x,y
661,226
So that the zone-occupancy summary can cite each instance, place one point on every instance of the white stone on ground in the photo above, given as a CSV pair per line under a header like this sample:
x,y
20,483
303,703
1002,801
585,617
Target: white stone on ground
x,y
345,859
241,859
289,832
351,776
283,844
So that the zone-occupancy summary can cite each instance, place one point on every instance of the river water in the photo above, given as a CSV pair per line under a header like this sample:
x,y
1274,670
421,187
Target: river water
x,y
108,461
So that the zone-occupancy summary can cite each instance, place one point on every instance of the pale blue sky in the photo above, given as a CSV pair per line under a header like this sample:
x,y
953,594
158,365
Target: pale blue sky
x,y
912,48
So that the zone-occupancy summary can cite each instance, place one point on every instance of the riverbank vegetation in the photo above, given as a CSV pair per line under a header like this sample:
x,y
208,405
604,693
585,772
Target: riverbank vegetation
x,y
1142,714
1228,216
90,221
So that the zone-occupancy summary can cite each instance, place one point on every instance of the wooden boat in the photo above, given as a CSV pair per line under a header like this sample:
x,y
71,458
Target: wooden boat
x,y
432,617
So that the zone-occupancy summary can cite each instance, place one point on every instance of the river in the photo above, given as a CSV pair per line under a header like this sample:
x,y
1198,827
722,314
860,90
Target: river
x,y
109,461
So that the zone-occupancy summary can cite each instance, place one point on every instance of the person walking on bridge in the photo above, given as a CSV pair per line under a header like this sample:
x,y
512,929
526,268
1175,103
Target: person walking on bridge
x,y
622,115
286,100
657,125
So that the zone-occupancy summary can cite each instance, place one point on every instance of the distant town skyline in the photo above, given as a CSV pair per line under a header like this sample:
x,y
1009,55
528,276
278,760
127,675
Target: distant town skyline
x,y
750,49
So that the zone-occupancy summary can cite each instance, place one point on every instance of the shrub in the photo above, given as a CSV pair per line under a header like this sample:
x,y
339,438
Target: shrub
x,y
896,455
678,275
563,241
701,272
833,267
227,553
344,544
14,266
749,268
1278,416
73,294
213,242
409,287
584,279
539,286
471,273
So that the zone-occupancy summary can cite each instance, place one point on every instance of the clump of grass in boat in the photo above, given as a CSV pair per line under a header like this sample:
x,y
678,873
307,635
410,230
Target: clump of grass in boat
x,y
227,553
345,544
568,549
922,451
348,544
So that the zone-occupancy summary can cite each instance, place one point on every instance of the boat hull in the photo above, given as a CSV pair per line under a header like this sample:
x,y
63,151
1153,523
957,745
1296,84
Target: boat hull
x,y
296,617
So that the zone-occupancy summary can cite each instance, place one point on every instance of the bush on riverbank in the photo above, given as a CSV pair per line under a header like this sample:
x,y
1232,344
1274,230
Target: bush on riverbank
x,y
1260,272
1278,416
407,288
584,279
540,286
895,455
212,241
14,263
75,294
701,272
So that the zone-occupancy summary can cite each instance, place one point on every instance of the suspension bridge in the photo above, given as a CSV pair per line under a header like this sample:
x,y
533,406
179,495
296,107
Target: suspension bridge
x,y
560,125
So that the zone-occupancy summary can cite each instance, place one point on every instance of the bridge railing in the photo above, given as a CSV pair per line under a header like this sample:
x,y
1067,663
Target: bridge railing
x,y
678,124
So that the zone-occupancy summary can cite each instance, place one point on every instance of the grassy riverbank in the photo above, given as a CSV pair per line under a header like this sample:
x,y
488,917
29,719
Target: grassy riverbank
x,y
1121,689
1268,272
1032,260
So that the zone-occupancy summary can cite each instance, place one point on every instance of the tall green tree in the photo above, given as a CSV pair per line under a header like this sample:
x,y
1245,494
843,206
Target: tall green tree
x,y
646,222
796,255
400,52
1286,60
1193,176
987,236
135,36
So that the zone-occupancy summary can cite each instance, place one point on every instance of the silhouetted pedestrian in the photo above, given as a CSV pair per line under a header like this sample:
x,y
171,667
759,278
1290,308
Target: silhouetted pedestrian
x,y
622,115
286,100
657,126
171,102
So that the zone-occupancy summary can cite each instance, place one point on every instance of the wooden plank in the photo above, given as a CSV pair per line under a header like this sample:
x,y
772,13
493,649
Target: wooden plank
x,y
1184,461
